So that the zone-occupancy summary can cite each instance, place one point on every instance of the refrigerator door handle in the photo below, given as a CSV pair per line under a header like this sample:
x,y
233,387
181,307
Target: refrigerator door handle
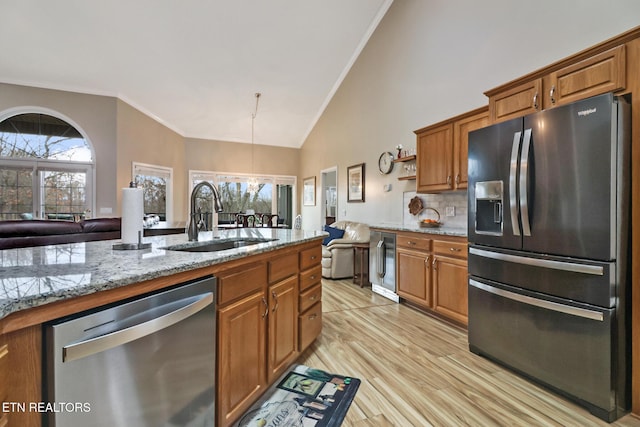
x,y
548,305
524,173
513,170
573,267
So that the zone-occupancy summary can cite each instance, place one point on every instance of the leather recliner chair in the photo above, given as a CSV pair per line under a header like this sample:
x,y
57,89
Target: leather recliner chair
x,y
337,255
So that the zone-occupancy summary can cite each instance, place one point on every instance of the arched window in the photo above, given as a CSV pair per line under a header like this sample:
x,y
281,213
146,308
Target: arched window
x,y
46,168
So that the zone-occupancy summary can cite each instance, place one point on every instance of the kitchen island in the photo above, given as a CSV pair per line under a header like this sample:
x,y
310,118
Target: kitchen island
x,y
40,284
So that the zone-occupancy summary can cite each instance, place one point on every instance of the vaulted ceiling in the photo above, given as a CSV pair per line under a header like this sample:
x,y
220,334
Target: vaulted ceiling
x,y
194,65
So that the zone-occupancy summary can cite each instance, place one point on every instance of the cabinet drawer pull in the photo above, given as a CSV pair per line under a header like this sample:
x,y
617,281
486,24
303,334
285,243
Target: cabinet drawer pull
x,y
457,179
312,277
427,261
434,263
313,316
313,257
455,249
448,179
552,94
312,298
275,297
266,308
409,242
535,101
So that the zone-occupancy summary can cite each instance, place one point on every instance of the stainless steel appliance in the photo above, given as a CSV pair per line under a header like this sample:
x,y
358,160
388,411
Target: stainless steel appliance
x,y
145,362
549,240
382,264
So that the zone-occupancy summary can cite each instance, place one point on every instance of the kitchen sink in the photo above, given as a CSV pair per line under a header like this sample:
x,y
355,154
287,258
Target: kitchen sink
x,y
219,245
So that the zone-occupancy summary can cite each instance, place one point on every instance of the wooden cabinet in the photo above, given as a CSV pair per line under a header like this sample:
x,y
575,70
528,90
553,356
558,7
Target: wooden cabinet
x,y
283,319
561,83
442,152
449,269
242,340
598,74
310,299
4,375
413,268
461,128
432,273
242,345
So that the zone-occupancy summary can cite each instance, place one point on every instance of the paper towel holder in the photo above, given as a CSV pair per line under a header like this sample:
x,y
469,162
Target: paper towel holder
x,y
132,246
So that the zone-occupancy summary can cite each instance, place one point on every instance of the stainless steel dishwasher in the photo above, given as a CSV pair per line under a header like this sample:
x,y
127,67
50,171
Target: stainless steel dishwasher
x,y
147,362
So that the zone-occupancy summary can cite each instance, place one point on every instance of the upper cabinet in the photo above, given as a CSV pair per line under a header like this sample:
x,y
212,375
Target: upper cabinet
x,y
575,78
442,152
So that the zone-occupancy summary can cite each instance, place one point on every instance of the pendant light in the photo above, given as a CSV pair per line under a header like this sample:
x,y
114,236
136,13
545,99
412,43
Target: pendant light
x,y
253,186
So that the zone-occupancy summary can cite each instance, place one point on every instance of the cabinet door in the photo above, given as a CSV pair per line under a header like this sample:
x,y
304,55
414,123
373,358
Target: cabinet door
x,y
435,159
516,102
598,74
414,278
461,129
450,288
242,350
283,326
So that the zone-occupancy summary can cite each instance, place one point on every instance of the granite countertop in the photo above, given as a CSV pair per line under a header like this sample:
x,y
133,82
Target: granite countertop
x,y
442,231
35,276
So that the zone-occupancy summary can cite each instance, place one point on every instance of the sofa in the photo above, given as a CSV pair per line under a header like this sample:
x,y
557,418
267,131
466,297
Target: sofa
x,y
40,232
337,248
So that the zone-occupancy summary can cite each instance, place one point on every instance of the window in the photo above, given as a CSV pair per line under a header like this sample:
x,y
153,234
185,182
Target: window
x,y
157,183
274,194
46,168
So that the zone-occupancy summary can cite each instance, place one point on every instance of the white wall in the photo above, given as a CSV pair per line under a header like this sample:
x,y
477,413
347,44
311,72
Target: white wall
x,y
433,59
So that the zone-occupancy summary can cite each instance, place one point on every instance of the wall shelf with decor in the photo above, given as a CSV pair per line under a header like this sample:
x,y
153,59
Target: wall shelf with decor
x,y
404,159
409,169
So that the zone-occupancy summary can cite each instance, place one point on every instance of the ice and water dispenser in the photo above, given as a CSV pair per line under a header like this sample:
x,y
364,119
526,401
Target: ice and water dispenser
x,y
489,207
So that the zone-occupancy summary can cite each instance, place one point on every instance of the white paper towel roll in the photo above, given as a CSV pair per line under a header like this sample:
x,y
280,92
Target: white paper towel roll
x,y
132,214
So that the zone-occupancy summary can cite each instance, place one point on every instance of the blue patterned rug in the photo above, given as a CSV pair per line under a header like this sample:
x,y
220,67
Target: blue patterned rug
x,y
304,397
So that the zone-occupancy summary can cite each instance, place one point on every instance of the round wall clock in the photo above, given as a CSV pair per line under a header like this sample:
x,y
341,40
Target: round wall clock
x,y
385,162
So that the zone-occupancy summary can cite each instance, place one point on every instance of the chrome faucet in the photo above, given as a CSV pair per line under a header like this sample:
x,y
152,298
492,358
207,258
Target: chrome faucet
x,y
195,218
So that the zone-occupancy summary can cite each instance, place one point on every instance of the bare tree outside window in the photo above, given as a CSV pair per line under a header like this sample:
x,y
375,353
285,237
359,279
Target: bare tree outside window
x,y
46,155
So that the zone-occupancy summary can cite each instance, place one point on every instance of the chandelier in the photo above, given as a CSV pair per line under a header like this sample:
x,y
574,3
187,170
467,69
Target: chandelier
x,y
253,186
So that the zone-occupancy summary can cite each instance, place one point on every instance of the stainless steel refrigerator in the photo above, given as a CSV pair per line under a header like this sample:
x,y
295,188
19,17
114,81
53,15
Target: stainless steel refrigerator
x,y
549,234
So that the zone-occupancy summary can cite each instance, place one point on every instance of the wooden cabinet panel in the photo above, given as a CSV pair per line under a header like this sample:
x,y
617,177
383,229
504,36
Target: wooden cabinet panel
x,y
236,283
516,102
598,74
413,241
310,297
283,326
4,370
310,277
283,266
310,325
450,288
413,276
461,129
310,257
242,341
450,248
435,159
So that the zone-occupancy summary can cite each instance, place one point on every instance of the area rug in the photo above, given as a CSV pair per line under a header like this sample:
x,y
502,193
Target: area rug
x,y
304,397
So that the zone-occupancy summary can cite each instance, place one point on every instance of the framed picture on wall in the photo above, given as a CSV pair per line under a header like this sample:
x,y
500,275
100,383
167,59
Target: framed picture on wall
x,y
309,191
355,183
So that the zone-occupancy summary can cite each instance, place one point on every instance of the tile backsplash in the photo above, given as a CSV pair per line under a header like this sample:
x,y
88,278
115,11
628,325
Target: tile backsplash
x,y
457,200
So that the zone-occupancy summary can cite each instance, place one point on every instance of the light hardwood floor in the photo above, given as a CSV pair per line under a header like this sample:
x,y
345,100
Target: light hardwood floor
x,y
417,370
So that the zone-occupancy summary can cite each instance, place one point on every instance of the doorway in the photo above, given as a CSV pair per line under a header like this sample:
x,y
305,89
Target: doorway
x,y
329,195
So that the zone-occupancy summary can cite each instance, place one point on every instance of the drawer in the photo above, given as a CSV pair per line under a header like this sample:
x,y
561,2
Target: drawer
x,y
413,241
310,277
310,297
4,419
282,267
240,282
310,325
310,257
454,249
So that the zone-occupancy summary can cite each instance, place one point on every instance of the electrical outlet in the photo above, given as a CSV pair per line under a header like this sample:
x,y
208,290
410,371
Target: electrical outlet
x,y
450,211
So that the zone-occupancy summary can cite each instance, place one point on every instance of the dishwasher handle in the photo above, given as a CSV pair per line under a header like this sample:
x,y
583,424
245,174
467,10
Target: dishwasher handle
x,y
161,319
